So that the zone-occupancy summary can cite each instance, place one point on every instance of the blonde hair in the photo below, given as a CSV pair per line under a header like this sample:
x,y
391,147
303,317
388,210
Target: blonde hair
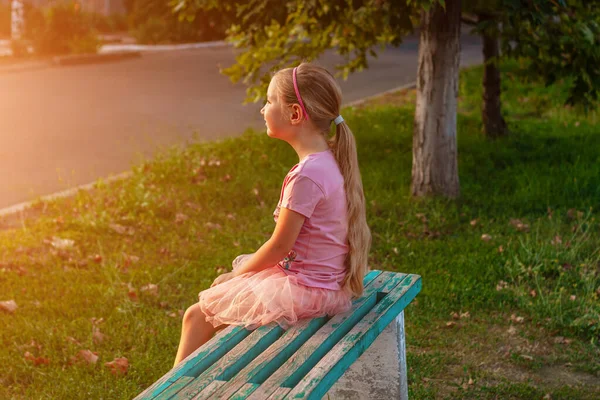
x,y
322,98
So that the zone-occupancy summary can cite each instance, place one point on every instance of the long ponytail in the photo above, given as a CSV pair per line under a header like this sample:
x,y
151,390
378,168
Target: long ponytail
x,y
359,235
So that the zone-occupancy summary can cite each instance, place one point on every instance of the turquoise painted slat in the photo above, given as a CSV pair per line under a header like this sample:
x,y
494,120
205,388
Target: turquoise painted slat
x,y
273,357
232,362
203,357
244,391
320,379
174,387
323,340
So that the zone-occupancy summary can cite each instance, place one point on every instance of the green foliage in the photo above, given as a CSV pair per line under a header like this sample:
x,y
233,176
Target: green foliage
x,y
65,30
281,34
153,21
562,39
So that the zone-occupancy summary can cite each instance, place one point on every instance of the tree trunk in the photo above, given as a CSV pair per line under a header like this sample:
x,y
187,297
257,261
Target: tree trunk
x,y
435,169
491,113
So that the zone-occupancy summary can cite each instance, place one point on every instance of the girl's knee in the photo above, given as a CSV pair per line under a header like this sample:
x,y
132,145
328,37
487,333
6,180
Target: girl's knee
x,y
193,314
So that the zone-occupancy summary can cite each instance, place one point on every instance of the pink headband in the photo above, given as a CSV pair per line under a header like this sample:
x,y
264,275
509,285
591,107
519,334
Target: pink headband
x,y
298,93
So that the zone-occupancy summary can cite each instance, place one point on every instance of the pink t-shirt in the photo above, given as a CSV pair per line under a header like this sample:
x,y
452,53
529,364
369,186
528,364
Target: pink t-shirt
x,y
315,188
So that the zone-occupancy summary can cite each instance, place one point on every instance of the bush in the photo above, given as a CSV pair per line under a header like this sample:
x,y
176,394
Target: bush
x,y
65,30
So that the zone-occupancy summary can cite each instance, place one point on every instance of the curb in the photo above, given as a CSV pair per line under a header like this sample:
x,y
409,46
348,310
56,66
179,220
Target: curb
x,y
355,103
109,52
124,175
95,58
109,48
58,195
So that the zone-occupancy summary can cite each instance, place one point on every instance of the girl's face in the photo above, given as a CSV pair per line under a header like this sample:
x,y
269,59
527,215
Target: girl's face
x,y
274,114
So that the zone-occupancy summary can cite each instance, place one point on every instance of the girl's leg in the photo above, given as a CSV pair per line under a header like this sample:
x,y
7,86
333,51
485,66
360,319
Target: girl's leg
x,y
194,333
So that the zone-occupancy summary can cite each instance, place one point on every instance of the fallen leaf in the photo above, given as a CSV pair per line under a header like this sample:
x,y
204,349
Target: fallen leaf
x,y
88,356
118,365
97,258
501,285
210,225
519,225
180,218
454,315
500,249
61,244
512,330
450,324
8,306
533,293
516,319
226,178
465,315
231,216
122,230
485,237
73,340
572,297
474,222
556,241
96,321
526,357
150,288
36,360
471,381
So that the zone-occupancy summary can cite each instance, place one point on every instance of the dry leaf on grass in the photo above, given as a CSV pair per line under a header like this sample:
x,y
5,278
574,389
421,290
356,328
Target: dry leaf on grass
x,y
61,244
8,306
73,340
485,237
474,222
180,218
122,230
150,288
118,365
517,319
519,225
36,360
88,356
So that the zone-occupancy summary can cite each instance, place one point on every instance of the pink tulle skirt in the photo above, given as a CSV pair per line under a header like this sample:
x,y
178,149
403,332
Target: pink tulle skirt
x,y
255,299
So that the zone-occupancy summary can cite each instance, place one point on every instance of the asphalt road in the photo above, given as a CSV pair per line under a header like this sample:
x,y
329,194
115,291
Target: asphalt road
x,y
65,126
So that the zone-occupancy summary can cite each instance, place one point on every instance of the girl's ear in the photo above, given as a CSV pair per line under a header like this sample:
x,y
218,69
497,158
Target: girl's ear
x,y
295,114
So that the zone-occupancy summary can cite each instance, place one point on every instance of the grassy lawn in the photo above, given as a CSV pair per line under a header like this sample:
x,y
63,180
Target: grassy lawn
x,y
511,271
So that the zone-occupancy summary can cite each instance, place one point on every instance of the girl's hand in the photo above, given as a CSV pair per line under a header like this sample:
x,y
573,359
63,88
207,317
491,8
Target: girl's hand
x,y
223,278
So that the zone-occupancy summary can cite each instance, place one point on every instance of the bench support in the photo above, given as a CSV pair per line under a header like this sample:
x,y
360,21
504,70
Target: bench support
x,y
380,372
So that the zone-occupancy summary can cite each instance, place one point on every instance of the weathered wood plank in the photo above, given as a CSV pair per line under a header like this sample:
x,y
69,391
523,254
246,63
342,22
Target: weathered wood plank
x,y
280,393
232,362
325,338
273,357
328,370
199,360
210,389
244,391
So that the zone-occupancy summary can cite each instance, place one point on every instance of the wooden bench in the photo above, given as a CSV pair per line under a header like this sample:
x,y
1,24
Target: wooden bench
x,y
302,362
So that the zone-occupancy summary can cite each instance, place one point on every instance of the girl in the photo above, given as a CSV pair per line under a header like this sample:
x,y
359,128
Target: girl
x,y
316,259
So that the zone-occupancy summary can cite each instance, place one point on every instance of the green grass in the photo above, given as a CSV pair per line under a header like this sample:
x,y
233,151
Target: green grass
x,y
182,217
